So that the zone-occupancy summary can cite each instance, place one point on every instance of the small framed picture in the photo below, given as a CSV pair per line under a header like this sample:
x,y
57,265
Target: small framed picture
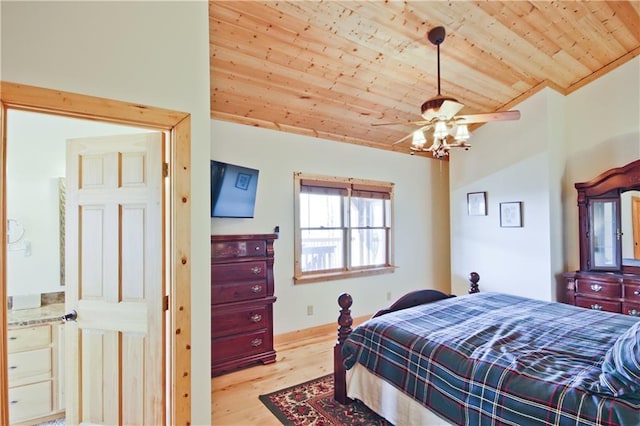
x,y
511,214
477,203
242,181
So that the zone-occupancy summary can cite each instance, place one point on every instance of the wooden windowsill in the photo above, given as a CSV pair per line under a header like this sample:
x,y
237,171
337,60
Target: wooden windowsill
x,y
331,276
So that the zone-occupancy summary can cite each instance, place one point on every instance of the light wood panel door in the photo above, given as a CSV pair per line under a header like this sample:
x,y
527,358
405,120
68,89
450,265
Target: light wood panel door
x,y
115,281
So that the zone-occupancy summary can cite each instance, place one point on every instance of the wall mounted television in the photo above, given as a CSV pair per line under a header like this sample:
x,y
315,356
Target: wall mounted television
x,y
233,190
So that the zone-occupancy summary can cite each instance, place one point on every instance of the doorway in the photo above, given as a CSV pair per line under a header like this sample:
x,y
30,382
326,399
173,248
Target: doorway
x,y
177,126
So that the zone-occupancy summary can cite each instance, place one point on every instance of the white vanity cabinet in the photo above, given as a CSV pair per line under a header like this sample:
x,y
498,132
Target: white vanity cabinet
x,y
32,371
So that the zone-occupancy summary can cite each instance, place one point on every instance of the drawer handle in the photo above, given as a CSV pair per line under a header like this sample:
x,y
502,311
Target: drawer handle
x,y
257,248
634,312
15,401
596,287
636,293
256,270
256,342
596,307
13,367
13,338
256,317
256,288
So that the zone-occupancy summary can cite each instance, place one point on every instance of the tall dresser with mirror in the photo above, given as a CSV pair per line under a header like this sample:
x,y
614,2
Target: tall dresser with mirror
x,y
242,298
609,237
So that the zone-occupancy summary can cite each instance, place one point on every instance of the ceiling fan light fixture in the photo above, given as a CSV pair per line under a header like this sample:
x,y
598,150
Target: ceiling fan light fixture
x,y
440,130
418,139
462,133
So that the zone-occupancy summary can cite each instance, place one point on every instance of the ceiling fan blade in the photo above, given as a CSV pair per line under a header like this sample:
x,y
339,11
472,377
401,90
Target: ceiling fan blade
x,y
446,110
488,116
394,123
449,108
423,128
402,139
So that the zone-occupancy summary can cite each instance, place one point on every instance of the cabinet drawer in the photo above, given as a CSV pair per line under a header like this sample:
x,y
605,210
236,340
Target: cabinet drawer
x,y
22,339
29,401
233,321
238,272
235,292
599,288
241,345
631,309
32,365
632,292
597,304
234,249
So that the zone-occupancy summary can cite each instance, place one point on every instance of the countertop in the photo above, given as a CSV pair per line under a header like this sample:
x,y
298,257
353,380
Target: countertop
x,y
41,315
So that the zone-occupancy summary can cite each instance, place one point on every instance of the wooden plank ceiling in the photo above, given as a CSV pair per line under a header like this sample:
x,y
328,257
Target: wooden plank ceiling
x,y
331,69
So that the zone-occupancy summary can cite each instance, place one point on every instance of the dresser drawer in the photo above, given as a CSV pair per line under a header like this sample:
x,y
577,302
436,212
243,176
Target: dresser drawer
x,y
32,365
597,304
23,339
235,249
238,272
236,292
231,321
29,401
631,309
242,345
632,292
598,288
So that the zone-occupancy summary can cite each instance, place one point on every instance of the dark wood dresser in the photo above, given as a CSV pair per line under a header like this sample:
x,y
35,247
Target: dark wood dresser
x,y
242,300
609,275
604,291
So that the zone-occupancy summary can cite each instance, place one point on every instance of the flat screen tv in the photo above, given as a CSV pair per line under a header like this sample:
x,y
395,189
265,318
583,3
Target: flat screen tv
x,y
233,190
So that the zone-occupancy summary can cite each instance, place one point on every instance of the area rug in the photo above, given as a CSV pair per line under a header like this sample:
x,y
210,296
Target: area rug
x,y
312,403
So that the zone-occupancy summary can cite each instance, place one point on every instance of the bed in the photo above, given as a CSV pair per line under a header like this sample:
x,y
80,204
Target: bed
x,y
490,358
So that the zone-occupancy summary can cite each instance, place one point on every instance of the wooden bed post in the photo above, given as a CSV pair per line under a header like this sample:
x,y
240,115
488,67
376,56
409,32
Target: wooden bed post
x,y
339,373
473,283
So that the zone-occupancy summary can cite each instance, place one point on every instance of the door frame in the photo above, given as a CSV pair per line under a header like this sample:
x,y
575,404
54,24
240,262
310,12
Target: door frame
x,y
178,224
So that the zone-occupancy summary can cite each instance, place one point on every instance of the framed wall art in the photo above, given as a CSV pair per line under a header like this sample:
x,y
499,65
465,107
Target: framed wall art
x,y
477,203
511,214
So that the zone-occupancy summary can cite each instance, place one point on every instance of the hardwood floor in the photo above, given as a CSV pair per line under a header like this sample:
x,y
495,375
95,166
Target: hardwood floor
x,y
301,356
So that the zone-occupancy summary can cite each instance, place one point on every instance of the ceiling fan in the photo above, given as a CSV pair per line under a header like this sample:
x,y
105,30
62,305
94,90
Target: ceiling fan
x,y
439,116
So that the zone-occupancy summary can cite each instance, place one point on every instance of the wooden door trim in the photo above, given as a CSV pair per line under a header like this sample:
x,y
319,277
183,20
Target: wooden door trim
x,y
37,99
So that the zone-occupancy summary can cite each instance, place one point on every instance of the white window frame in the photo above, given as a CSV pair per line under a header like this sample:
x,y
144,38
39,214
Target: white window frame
x,y
346,272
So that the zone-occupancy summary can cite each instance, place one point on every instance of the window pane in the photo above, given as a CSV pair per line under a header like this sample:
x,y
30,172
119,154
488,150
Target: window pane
x,y
367,212
368,247
317,211
322,250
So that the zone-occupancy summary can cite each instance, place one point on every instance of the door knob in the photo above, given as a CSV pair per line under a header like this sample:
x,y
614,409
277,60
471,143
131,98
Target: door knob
x,y
71,316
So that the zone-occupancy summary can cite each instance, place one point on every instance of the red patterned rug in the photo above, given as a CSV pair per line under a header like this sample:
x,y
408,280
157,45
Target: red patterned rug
x,y
312,403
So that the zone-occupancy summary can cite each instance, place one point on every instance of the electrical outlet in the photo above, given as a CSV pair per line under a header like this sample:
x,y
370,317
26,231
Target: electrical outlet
x,y
310,310
388,295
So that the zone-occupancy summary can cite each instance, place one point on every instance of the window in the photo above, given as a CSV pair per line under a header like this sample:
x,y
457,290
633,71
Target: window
x,y
342,227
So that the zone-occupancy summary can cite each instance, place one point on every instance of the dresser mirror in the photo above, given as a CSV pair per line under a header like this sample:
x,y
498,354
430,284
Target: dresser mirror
x,y
609,221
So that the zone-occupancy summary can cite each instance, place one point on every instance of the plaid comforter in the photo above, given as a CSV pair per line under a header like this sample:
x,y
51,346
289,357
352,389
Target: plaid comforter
x,y
493,358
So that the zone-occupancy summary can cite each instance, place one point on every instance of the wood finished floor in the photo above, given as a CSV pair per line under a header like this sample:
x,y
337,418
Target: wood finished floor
x,y
234,396
300,356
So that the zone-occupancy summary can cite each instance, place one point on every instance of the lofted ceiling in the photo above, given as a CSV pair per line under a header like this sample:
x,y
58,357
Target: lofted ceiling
x,y
331,69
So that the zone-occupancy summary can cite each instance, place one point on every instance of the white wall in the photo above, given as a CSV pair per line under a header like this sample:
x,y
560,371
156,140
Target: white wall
x,y
421,217
510,165
604,132
151,53
558,141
